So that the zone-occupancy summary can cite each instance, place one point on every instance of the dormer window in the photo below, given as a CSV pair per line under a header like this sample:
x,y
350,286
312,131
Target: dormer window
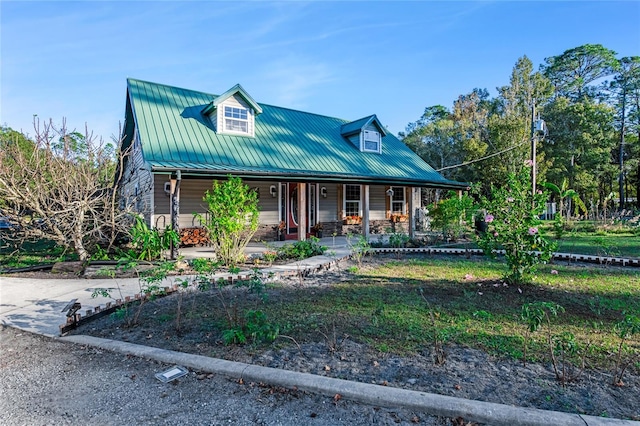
x,y
371,141
233,112
366,134
236,119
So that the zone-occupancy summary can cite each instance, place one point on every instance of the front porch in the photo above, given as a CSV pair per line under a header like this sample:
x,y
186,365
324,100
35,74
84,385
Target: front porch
x,y
298,210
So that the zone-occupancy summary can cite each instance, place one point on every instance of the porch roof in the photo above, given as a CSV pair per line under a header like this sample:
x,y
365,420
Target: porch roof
x,y
288,144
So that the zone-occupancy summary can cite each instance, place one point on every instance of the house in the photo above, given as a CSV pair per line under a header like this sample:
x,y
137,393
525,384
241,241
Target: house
x,y
351,176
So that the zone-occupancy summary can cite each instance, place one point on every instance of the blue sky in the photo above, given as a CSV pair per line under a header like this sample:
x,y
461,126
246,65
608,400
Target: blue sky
x,y
343,59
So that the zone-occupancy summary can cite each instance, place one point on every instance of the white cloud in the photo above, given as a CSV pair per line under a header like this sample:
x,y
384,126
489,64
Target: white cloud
x,y
294,79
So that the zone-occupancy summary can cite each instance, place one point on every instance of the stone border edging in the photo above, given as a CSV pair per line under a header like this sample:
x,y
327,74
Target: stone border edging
x,y
603,260
440,405
273,272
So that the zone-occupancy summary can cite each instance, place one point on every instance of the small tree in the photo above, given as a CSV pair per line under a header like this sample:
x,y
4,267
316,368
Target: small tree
x,y
61,187
233,219
453,215
563,192
513,218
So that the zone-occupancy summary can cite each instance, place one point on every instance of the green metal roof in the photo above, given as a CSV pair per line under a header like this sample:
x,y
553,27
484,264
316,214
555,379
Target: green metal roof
x,y
175,135
357,126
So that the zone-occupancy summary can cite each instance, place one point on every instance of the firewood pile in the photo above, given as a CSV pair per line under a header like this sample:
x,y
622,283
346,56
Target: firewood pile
x,y
193,237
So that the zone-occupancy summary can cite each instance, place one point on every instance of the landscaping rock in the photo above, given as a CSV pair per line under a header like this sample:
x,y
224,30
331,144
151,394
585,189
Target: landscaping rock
x,y
75,268
103,270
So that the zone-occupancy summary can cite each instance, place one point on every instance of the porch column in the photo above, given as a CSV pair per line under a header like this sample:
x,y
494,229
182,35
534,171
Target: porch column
x,y
414,204
176,178
302,211
460,198
365,211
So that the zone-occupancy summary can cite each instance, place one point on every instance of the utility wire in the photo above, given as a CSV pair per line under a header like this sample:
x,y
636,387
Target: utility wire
x,y
483,158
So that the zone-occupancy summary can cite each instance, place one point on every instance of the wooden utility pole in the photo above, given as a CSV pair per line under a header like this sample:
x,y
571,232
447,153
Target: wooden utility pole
x,y
533,151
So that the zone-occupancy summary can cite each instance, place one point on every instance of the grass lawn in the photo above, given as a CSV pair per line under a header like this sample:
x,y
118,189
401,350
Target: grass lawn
x,y
31,253
383,306
622,245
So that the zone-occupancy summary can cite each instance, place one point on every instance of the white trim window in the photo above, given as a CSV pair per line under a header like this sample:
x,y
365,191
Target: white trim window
x,y
371,141
398,200
312,204
236,119
352,200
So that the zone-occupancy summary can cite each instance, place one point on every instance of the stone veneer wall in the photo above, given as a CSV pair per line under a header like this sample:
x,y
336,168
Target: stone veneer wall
x,y
268,232
377,227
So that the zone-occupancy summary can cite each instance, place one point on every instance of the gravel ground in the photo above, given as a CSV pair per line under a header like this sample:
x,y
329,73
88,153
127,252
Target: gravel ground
x,y
46,382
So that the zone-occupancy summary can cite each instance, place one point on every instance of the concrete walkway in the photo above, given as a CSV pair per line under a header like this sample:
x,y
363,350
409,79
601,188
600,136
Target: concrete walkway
x,y
35,305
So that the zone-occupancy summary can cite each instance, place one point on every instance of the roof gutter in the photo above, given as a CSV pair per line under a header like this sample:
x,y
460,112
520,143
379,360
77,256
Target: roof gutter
x,y
305,177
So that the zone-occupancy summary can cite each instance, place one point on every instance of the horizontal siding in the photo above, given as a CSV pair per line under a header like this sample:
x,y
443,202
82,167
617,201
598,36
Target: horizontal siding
x,y
192,191
328,207
191,194
377,203
137,176
355,140
268,204
161,198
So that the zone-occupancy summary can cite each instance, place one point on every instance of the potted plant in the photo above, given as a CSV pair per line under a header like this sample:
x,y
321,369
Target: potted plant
x,y
317,229
480,224
398,217
352,220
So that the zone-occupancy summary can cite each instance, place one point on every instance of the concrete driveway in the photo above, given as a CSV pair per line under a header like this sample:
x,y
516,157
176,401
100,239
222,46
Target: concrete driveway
x,y
35,305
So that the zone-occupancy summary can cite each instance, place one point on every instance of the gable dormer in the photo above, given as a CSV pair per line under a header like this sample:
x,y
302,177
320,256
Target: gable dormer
x,y
365,134
233,112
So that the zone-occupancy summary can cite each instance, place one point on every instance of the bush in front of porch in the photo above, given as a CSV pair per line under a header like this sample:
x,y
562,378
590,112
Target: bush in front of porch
x,y
233,220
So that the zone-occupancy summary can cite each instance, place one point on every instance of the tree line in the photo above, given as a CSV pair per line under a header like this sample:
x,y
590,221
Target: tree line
x,y
589,99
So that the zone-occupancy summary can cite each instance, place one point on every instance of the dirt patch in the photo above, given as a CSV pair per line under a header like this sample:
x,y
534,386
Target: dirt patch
x,y
467,373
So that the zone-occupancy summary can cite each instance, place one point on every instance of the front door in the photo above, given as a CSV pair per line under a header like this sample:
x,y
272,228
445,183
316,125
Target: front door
x,y
289,207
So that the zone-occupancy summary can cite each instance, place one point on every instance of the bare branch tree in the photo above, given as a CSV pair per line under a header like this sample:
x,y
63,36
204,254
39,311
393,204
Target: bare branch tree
x,y
63,188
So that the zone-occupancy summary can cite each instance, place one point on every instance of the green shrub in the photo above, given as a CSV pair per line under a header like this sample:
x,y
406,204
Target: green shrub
x,y
559,227
397,240
255,328
587,227
301,249
453,215
233,220
149,244
513,219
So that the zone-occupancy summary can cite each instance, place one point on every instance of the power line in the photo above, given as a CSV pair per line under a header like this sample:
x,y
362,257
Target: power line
x,y
483,158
